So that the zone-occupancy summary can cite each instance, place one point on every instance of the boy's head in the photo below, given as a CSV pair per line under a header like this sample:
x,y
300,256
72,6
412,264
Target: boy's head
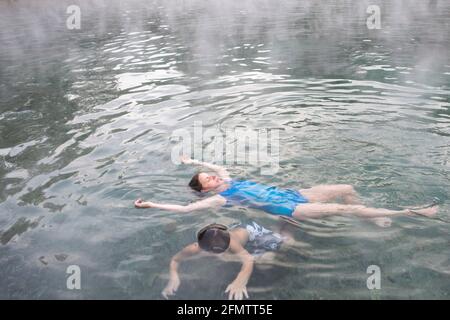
x,y
214,238
204,182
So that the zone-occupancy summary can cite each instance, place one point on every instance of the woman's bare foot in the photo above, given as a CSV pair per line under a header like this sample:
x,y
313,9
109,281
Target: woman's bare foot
x,y
383,222
427,212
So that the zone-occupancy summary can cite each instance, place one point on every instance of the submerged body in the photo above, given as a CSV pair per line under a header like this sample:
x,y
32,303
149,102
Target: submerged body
x,y
256,239
245,241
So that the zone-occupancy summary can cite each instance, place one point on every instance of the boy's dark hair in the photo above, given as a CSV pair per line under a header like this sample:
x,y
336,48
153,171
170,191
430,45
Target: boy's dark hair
x,y
195,183
214,238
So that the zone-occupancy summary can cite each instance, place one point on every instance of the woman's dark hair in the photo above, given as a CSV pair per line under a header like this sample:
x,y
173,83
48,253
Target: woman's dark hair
x,y
195,183
214,238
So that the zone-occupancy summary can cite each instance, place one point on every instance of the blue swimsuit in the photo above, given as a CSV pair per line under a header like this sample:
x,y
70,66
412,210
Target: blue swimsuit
x,y
271,199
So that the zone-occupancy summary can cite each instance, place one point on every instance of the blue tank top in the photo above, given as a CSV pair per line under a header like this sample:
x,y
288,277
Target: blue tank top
x,y
271,199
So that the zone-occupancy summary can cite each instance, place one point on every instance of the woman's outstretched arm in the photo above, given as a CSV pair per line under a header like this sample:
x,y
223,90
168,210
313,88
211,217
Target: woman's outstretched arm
x,y
219,170
214,201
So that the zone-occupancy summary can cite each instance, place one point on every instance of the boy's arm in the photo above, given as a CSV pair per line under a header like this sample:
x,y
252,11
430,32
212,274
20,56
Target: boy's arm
x,y
221,171
238,288
174,279
214,201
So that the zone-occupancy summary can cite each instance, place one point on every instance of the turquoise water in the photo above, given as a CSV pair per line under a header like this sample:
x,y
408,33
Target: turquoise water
x,y
86,118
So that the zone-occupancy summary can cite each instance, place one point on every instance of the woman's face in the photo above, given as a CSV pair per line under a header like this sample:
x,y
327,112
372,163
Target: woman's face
x,y
209,182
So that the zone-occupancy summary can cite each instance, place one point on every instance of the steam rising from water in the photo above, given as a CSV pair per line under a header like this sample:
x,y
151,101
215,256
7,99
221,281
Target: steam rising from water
x,y
86,117
291,29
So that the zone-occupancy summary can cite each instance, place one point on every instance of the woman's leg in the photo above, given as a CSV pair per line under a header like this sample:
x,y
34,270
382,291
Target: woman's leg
x,y
319,210
326,193
331,192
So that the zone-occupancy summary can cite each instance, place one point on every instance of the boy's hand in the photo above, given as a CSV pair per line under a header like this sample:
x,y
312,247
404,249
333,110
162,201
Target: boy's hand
x,y
171,287
186,159
139,203
237,291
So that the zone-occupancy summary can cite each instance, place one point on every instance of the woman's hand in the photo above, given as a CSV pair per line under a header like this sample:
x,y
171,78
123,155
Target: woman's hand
x,y
171,287
186,160
139,203
236,291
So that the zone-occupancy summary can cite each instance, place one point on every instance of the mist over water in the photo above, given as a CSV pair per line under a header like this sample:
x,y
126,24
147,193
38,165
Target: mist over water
x,y
86,118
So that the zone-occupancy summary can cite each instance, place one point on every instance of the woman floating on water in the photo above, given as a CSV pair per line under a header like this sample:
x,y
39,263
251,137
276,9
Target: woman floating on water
x,y
302,204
